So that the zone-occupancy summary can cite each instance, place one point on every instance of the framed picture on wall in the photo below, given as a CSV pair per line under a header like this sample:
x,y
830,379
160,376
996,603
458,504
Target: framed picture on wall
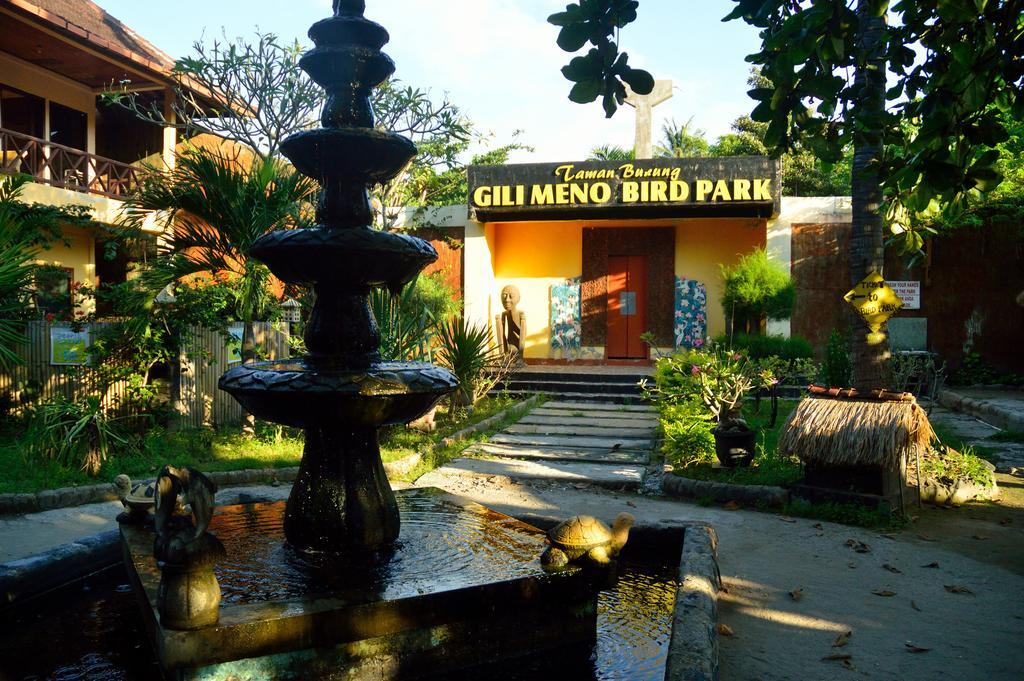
x,y
69,347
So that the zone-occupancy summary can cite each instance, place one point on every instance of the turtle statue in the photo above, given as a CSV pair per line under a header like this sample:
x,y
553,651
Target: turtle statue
x,y
139,499
585,538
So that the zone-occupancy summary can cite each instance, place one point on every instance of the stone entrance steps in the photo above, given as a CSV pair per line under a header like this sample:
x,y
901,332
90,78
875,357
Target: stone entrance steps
x,y
579,384
603,444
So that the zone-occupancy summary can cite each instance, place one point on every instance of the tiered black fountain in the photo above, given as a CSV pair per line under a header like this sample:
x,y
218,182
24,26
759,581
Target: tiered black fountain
x,y
347,580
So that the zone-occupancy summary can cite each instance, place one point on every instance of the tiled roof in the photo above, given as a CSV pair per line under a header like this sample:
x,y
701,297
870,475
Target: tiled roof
x,y
90,23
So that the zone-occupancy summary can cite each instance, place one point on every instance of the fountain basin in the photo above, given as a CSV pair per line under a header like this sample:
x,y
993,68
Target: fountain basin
x,y
304,394
346,257
462,586
348,153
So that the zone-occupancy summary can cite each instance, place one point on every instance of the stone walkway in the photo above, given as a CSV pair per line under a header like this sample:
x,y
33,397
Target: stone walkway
x,y
976,433
608,445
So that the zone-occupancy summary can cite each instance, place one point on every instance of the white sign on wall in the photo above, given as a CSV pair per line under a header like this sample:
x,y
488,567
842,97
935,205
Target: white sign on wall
x,y
909,292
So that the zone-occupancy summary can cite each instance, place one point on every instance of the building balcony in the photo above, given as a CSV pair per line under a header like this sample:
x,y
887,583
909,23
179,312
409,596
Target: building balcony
x,y
61,166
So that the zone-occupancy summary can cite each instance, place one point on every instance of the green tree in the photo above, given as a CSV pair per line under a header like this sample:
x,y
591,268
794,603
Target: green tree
x,y
803,174
755,289
218,208
924,124
604,71
17,267
682,141
611,152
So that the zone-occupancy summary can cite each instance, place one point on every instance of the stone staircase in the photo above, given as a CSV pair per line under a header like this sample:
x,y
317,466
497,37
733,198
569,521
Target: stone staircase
x,y
589,443
614,384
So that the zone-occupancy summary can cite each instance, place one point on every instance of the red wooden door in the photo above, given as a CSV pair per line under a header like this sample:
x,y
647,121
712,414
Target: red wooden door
x,y
627,306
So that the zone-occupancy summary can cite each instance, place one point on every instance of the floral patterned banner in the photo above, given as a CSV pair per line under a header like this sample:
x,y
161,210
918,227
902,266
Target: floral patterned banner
x,y
691,317
566,313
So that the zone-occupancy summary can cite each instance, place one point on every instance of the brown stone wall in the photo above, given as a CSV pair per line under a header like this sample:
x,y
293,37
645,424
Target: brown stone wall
x,y
971,270
821,273
658,244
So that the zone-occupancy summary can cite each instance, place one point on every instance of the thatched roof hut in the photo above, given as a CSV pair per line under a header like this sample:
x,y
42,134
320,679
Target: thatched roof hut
x,y
830,428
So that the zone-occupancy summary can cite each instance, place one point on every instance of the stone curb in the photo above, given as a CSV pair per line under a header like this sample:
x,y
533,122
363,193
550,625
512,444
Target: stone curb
x,y
982,409
65,497
693,648
27,577
753,495
21,579
489,421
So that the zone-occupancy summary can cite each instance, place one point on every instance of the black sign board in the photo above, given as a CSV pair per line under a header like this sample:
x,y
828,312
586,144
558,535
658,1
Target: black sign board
x,y
736,186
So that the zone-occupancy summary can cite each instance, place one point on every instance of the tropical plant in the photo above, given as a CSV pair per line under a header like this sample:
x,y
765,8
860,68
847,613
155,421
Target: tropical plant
x,y
837,370
75,433
756,288
404,324
611,152
17,270
467,351
218,206
681,141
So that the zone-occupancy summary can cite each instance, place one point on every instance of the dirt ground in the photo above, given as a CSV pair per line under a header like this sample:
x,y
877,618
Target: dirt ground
x,y
990,532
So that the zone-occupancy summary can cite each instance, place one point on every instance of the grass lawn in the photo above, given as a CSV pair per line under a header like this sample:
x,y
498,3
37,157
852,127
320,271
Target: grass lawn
x,y
228,450
767,468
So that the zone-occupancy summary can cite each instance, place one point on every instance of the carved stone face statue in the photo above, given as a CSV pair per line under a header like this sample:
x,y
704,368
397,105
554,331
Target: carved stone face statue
x,y
509,298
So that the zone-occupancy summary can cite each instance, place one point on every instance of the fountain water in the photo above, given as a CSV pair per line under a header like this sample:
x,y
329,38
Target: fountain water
x,y
366,585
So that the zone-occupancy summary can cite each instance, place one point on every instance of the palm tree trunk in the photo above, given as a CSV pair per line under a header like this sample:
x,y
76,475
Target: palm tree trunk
x,y
248,354
867,249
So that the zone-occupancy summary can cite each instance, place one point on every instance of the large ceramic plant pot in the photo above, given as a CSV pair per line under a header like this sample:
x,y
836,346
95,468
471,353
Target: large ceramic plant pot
x,y
735,447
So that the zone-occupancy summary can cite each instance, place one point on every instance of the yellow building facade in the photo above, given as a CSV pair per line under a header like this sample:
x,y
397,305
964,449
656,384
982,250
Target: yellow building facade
x,y
611,261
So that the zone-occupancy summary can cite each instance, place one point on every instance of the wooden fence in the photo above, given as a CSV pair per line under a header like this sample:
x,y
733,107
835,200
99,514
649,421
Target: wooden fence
x,y
35,379
200,403
203,362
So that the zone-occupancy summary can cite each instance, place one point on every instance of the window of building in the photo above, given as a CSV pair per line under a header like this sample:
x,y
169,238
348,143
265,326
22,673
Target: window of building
x,y
53,294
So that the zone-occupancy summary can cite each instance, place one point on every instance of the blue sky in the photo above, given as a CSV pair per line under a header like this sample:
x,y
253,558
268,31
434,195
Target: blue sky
x,y
497,59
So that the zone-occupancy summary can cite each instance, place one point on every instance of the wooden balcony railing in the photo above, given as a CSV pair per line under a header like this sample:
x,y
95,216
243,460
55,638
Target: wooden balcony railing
x,y
67,167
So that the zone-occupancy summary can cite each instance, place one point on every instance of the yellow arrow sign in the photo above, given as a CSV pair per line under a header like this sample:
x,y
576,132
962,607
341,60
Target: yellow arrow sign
x,y
874,301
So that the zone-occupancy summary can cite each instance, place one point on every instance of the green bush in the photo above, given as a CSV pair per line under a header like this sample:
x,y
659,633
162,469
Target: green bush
x,y
948,465
75,434
756,287
687,433
837,371
762,347
439,299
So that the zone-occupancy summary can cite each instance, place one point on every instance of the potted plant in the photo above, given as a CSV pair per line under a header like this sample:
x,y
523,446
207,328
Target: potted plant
x,y
724,379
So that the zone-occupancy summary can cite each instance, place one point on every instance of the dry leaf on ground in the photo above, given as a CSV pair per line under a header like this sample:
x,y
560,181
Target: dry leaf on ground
x,y
914,606
883,593
732,506
925,537
858,546
841,639
981,537
933,564
630,503
957,589
892,569
786,519
911,648
837,656
797,594
851,565
724,630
